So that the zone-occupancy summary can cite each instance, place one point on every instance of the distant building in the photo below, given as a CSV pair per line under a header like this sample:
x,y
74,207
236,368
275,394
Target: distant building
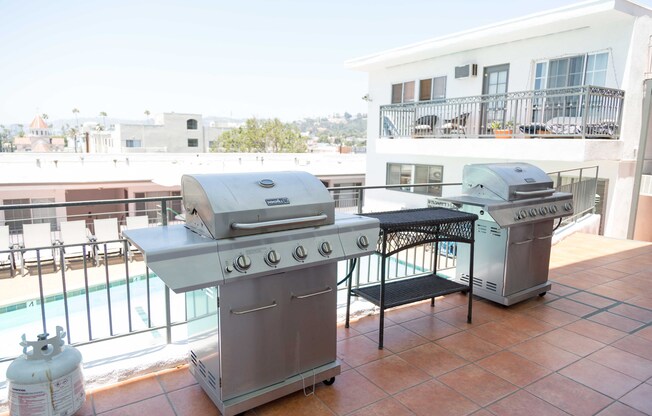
x,y
170,133
39,138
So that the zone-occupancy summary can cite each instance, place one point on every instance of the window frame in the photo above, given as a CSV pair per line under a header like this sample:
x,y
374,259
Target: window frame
x,y
193,142
434,82
400,171
403,99
191,124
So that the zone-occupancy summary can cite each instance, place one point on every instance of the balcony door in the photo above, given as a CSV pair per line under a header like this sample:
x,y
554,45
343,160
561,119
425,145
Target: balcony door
x,y
494,81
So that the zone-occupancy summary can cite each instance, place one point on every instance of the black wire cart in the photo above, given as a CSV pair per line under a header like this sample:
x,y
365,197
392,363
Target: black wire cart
x,y
400,230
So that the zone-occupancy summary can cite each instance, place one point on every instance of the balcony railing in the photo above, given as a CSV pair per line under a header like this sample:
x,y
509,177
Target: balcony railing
x,y
572,112
98,297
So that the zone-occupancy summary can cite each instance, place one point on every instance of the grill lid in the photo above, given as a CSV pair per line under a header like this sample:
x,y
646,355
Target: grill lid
x,y
506,181
230,205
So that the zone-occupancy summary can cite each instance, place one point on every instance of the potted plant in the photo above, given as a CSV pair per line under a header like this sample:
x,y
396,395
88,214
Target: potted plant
x,y
502,132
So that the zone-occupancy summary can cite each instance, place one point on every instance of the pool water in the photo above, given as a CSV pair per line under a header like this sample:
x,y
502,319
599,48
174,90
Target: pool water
x,y
26,318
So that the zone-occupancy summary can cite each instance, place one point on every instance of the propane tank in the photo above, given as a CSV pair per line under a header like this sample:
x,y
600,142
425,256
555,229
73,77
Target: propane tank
x,y
47,379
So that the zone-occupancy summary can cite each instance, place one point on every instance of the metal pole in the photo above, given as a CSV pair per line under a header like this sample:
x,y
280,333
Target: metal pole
x,y
168,318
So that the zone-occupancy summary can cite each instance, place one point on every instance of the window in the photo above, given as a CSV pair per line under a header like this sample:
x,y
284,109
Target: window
x,y
191,124
15,218
133,143
403,93
193,142
589,69
596,69
407,174
432,89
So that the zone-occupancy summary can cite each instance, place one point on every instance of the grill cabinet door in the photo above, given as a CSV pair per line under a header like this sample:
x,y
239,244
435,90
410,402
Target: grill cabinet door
x,y
312,318
252,334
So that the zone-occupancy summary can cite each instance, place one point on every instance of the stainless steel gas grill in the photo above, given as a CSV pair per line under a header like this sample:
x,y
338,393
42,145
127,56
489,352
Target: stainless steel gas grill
x,y
516,205
257,259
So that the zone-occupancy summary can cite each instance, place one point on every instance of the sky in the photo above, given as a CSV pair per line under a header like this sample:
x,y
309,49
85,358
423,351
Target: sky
x,y
238,58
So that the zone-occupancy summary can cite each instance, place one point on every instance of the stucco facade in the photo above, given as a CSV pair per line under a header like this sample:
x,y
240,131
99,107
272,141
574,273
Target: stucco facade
x,y
617,29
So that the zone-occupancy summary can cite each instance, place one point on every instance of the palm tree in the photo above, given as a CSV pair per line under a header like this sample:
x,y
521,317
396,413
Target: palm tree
x,y
147,113
75,111
44,116
103,115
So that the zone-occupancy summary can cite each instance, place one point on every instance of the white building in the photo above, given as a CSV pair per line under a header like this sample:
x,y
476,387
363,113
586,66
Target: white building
x,y
69,177
170,132
432,104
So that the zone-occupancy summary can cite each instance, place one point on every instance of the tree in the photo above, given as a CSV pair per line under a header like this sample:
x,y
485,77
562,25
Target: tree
x,y
347,116
75,111
44,116
262,136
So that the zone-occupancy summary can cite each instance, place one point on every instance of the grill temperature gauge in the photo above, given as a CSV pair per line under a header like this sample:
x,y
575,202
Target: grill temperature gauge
x,y
363,242
300,253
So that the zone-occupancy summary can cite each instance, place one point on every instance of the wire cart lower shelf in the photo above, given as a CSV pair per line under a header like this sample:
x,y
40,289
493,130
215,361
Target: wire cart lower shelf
x,y
413,289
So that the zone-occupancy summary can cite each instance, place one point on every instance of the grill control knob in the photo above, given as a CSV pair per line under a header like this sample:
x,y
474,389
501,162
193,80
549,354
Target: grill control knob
x,y
363,242
325,249
533,212
242,263
543,210
272,258
568,206
553,209
300,253
521,214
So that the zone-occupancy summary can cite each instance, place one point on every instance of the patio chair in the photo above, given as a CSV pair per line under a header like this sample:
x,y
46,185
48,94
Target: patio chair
x,y
106,232
456,124
140,221
37,245
389,129
6,258
425,125
74,232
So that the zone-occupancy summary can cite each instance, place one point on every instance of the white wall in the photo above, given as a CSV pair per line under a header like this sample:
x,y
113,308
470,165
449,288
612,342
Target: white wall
x,y
624,36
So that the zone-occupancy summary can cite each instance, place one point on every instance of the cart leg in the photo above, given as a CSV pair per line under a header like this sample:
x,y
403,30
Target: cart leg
x,y
432,302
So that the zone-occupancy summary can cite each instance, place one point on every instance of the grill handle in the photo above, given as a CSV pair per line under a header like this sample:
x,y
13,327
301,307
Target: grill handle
x,y
321,292
540,192
262,308
288,221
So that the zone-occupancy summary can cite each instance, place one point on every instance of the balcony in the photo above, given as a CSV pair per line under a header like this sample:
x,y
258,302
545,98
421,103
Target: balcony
x,y
582,112
589,336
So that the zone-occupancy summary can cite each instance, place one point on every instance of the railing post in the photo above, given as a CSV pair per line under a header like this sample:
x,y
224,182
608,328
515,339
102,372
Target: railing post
x,y
585,115
360,200
164,212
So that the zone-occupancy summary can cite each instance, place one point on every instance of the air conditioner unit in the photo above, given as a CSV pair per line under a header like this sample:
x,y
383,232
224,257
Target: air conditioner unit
x,y
466,71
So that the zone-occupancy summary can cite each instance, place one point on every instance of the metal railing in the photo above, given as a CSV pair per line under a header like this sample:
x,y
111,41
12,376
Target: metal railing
x,y
572,112
101,297
583,184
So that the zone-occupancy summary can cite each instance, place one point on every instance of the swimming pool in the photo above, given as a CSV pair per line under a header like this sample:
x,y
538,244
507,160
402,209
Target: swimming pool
x,y
25,318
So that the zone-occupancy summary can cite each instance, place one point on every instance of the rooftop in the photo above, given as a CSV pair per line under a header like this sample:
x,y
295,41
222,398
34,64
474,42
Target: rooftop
x,y
584,348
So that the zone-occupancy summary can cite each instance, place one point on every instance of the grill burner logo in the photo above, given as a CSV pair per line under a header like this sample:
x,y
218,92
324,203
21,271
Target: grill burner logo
x,y
272,202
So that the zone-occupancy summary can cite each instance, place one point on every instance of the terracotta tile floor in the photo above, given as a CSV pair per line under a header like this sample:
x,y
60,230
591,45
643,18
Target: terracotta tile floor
x,y
583,349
